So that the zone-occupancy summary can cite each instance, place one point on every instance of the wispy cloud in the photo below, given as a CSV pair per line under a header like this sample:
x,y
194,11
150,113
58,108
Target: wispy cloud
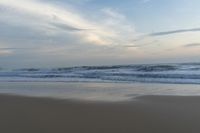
x,y
174,32
9,48
145,1
192,45
112,13
66,27
5,52
52,20
142,44
46,18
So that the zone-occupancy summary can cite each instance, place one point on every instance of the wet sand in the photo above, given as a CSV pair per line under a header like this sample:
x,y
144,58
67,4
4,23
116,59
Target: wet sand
x,y
149,114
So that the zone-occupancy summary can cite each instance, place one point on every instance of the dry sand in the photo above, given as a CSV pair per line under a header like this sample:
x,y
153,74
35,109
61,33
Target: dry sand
x,y
150,114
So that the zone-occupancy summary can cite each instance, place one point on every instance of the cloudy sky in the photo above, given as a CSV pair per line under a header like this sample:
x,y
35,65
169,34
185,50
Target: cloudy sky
x,y
56,33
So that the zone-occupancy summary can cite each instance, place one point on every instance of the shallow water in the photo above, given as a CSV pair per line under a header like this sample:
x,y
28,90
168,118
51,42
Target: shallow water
x,y
96,91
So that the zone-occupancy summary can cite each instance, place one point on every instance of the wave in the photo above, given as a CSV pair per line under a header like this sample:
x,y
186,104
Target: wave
x,y
188,73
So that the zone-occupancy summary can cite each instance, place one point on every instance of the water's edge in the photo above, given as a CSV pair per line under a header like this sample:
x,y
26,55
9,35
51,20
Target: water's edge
x,y
111,92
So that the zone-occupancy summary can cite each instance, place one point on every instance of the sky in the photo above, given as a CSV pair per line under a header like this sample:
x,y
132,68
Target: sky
x,y
63,33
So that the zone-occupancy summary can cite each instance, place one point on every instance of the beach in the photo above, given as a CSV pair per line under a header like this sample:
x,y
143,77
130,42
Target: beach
x,y
147,114
99,66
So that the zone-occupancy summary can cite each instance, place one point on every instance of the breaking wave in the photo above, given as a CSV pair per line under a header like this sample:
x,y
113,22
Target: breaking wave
x,y
188,73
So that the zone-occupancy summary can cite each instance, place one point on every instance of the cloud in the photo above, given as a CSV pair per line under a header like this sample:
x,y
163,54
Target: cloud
x,y
66,27
12,50
123,31
5,52
61,33
44,18
154,42
174,32
145,1
9,48
192,45
47,19
112,13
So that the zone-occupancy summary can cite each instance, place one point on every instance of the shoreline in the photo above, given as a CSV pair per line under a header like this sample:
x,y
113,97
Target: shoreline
x,y
97,91
147,114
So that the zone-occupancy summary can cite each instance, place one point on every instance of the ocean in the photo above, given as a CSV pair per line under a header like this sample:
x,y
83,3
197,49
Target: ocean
x,y
185,73
103,83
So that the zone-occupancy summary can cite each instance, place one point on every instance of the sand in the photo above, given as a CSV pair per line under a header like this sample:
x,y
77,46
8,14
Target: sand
x,y
149,114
